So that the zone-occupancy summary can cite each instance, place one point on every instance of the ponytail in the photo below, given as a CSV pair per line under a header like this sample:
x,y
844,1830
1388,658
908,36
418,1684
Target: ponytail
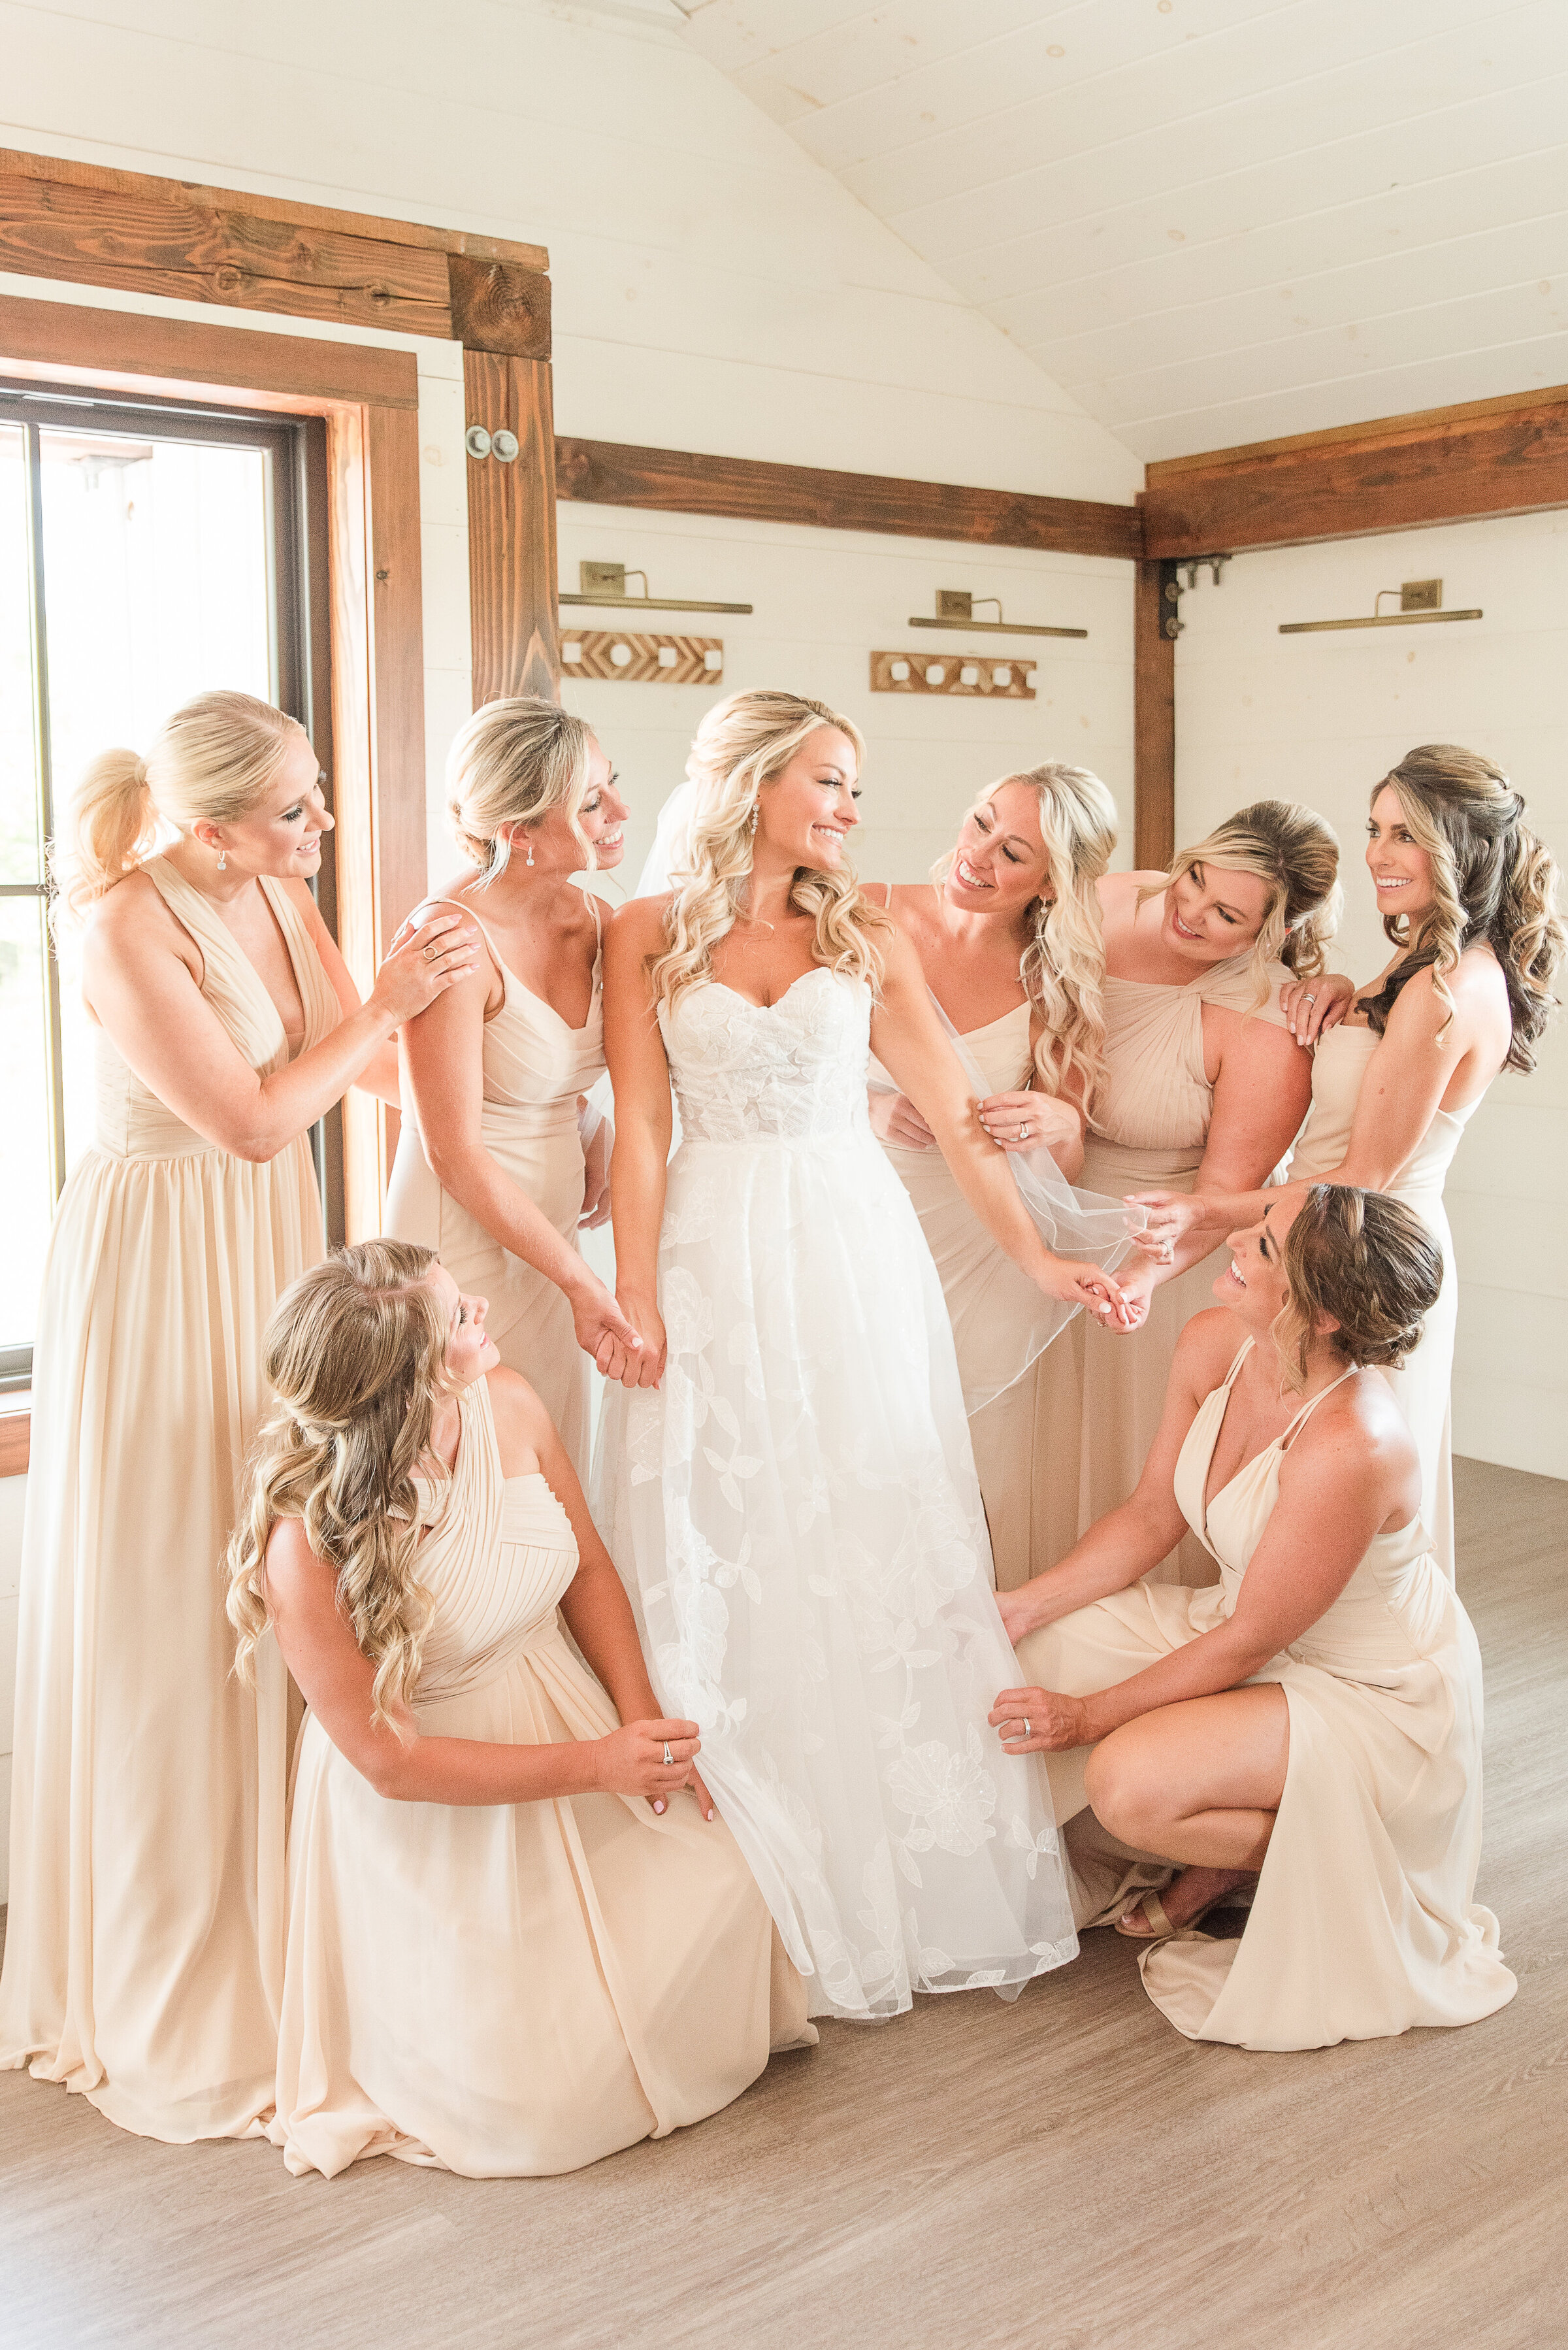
x,y
109,829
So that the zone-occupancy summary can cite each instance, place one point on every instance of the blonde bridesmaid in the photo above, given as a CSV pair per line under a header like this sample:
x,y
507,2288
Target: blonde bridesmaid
x,y
144,1960
491,1169
518,1937
1010,946
1311,1724
1202,1077
1466,895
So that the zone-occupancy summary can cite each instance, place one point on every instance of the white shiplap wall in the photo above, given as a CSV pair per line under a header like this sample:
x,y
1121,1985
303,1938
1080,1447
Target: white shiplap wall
x,y
1320,719
1210,221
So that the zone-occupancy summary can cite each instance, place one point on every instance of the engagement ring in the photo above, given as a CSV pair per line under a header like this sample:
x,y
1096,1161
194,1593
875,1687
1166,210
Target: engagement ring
x,y
668,1758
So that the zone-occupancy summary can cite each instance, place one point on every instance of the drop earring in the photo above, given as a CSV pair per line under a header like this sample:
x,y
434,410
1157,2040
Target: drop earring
x,y
752,819
223,860
530,852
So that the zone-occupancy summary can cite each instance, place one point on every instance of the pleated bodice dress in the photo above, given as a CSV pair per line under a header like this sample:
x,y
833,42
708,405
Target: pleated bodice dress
x,y
1365,1920
1100,1393
992,1308
535,1066
1340,1064
795,1515
512,1988
143,1964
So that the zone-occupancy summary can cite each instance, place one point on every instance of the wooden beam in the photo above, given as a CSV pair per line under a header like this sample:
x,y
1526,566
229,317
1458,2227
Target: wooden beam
x,y
674,481
144,187
63,342
512,530
1448,465
498,307
168,246
1154,720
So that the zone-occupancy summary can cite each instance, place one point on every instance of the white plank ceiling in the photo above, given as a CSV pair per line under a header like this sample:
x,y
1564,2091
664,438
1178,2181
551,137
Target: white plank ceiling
x,y
1209,221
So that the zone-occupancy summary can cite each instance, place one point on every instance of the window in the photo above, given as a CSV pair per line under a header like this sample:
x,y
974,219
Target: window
x,y
148,551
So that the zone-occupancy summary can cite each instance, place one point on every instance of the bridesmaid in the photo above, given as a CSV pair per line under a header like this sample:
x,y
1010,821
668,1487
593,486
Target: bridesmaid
x,y
1466,892
491,1169
1317,1717
512,1946
1202,1077
1011,947
144,1961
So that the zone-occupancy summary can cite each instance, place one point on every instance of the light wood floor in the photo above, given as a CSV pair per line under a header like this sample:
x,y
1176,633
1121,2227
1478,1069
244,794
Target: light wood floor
x,y
1065,2173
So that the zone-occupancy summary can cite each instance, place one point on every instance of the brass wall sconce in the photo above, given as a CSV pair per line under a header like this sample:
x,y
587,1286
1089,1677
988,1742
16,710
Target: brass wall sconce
x,y
1419,600
955,609
605,583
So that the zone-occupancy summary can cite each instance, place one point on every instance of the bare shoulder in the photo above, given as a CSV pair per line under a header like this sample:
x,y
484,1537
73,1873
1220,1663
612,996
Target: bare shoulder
x,y
1207,1348
523,1426
295,1573
637,927
130,921
1358,1432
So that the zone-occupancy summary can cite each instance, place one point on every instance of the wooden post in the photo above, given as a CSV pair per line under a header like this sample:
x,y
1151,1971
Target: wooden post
x,y
1154,719
511,571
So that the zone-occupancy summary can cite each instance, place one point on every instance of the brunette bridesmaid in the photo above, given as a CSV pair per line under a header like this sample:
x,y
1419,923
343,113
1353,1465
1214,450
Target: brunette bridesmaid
x,y
1010,946
1201,1075
490,1170
144,1961
1467,896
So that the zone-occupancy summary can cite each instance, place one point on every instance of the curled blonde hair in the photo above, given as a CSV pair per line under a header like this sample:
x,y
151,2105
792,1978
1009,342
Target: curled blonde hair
x,y
1367,1262
354,1353
1491,880
1063,967
512,763
742,744
214,760
1291,849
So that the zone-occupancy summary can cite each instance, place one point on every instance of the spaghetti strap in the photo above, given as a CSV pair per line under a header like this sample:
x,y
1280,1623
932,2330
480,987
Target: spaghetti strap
x,y
1311,1404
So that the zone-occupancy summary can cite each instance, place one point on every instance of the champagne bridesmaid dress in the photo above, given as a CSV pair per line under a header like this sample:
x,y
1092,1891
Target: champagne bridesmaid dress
x,y
144,1961
994,1309
1341,1065
511,1989
534,1069
1365,1920
1101,1394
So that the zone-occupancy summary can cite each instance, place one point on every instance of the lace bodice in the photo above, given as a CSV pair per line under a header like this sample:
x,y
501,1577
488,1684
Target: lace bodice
x,y
792,1072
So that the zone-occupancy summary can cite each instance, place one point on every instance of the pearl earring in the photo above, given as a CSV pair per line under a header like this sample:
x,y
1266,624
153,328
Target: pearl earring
x,y
223,860
752,819
530,852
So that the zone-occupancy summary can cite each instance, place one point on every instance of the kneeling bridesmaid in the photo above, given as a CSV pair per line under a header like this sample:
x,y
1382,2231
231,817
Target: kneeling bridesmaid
x,y
1311,1724
518,1937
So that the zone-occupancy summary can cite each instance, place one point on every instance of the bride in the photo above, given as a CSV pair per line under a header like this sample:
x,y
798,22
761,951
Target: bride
x,y
784,1477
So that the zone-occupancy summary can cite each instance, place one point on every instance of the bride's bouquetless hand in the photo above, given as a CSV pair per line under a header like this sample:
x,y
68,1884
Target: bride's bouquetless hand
x,y
646,1369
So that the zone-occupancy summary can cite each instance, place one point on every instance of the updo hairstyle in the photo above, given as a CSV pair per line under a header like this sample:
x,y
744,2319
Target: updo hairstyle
x,y
213,761
355,1356
1370,1264
1491,880
512,763
741,745
1296,854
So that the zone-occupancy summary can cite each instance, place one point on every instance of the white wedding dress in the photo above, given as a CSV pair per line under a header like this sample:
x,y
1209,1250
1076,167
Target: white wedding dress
x,y
795,1515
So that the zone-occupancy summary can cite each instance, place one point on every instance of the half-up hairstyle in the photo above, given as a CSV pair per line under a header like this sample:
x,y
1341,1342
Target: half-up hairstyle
x,y
742,744
1491,880
1369,1265
354,1355
215,759
1063,965
512,763
1296,854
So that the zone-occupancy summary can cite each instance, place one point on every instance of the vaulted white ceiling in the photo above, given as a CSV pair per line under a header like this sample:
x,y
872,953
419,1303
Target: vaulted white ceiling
x,y
1210,221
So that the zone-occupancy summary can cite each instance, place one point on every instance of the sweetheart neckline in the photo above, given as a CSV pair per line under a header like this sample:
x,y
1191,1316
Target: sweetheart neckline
x,y
818,970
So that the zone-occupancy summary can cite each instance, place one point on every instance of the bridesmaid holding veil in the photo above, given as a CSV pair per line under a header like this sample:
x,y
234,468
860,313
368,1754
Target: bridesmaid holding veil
x,y
491,1169
144,1960
1201,1076
794,1505
1399,1067
1010,942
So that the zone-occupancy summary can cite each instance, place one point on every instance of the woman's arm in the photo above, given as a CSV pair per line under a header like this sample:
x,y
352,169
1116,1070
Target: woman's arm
x,y
1338,1484
1129,1540
639,1073
906,1038
319,1650
141,988
444,1053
